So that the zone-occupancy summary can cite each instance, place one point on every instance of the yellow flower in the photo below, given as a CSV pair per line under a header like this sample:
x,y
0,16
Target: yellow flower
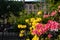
x,y
27,39
34,23
21,35
22,31
35,37
29,23
38,19
23,26
27,20
19,26
32,19
31,28
39,12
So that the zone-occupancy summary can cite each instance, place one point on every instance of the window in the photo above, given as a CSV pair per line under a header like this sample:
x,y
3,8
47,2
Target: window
x,y
30,6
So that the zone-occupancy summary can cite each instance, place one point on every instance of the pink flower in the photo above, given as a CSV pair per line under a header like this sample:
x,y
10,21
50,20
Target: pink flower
x,y
53,13
39,29
53,25
34,32
49,21
39,26
46,27
46,16
49,35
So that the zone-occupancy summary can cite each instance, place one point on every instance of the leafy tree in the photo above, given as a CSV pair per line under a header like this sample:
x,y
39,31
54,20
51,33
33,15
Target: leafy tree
x,y
10,10
10,6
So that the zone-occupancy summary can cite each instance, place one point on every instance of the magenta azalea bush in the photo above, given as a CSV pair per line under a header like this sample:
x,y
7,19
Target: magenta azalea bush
x,y
50,26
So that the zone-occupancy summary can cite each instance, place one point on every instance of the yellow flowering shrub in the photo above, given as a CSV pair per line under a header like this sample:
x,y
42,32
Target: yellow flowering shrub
x,y
29,26
21,34
33,22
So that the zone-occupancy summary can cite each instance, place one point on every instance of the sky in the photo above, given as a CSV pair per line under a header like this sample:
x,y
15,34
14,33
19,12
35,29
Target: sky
x,y
25,0
29,0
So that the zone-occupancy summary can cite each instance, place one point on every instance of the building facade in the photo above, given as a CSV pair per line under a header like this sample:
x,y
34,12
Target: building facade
x,y
35,6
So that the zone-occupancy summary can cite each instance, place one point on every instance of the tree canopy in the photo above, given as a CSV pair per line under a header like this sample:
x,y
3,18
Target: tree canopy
x,y
10,6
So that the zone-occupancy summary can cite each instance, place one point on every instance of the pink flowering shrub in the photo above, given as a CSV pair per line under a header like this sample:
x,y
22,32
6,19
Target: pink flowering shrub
x,y
41,29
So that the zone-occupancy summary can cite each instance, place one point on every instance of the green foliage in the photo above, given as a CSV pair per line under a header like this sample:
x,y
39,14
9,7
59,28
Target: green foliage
x,y
52,4
10,6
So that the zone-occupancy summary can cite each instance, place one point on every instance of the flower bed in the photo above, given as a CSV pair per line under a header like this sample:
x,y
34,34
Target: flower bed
x,y
40,26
